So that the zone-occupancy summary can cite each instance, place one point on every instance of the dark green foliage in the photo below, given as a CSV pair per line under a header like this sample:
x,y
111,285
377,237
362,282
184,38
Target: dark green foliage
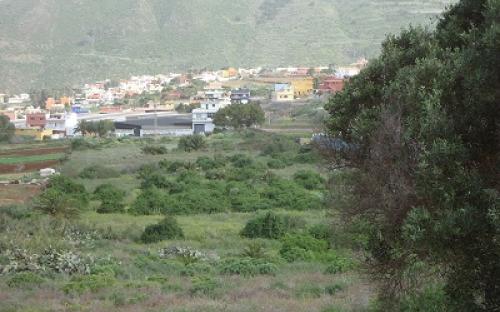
x,y
276,164
63,198
89,283
98,172
151,201
309,179
254,250
424,119
111,198
192,143
302,247
7,129
321,231
207,163
99,128
431,299
241,161
271,226
154,150
204,285
165,229
25,280
288,195
239,116
196,269
247,267
279,145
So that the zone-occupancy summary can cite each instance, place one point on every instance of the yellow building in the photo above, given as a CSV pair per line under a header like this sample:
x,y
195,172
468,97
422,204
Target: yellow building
x,y
283,92
38,134
303,87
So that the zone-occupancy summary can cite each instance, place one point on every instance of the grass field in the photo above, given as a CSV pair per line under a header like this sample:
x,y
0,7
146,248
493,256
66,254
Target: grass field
x,y
128,275
9,160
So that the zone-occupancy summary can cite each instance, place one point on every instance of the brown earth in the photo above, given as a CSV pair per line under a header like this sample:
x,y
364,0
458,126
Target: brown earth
x,y
27,167
30,152
12,194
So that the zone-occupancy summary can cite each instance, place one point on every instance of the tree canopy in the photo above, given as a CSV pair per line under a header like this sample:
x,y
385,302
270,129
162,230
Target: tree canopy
x,y
99,128
424,121
7,129
239,116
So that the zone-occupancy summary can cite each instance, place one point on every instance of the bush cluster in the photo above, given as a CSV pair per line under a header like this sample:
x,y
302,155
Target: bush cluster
x,y
154,150
247,267
271,225
168,228
98,172
111,197
302,247
192,143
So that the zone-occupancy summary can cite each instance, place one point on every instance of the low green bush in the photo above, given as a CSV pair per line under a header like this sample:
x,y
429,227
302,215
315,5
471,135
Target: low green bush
x,y
309,179
337,264
241,161
276,164
333,289
247,267
302,247
271,225
98,172
196,269
206,163
154,150
89,283
320,231
150,201
25,280
111,197
168,228
192,143
204,285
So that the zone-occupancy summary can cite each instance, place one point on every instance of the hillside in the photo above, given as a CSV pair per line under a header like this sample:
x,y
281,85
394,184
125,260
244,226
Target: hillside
x,y
47,43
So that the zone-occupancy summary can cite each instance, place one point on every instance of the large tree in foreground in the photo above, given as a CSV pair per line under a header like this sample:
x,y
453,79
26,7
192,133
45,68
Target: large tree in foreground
x,y
422,127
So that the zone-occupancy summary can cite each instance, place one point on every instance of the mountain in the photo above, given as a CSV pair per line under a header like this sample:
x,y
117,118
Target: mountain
x,y
55,43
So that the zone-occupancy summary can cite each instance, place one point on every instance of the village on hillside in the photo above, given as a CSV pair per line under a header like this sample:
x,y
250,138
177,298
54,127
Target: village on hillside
x,y
172,104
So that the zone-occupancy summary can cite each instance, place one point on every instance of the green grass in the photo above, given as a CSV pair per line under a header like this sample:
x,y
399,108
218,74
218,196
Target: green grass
x,y
133,277
9,160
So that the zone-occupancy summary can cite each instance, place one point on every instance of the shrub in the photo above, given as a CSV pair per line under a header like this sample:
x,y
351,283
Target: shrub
x,y
203,285
288,195
154,150
309,179
431,299
25,280
192,142
278,145
56,203
92,283
73,190
337,264
168,228
98,172
333,289
206,163
150,201
241,161
321,231
196,268
271,226
276,164
247,267
111,198
302,247
254,250
158,180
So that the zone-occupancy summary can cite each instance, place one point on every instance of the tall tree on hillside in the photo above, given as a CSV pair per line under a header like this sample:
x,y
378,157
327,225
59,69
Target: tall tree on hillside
x,y
421,124
7,129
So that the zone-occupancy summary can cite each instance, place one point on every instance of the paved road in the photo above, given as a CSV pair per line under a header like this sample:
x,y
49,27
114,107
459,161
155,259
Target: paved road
x,y
124,115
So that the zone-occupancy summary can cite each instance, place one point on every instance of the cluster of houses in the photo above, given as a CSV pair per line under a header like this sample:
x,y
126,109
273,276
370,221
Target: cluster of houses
x,y
60,115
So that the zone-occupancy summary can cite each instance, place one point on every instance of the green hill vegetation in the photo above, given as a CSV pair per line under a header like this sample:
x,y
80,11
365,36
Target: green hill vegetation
x,y
56,43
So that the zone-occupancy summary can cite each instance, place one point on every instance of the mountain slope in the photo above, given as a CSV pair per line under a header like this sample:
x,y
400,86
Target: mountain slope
x,y
47,43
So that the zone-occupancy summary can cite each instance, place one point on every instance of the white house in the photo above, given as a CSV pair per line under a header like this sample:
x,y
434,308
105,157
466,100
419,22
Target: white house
x,y
203,116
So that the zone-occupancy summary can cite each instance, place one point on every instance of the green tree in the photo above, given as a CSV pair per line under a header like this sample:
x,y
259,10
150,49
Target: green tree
x,y
111,197
421,127
239,116
191,143
7,129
